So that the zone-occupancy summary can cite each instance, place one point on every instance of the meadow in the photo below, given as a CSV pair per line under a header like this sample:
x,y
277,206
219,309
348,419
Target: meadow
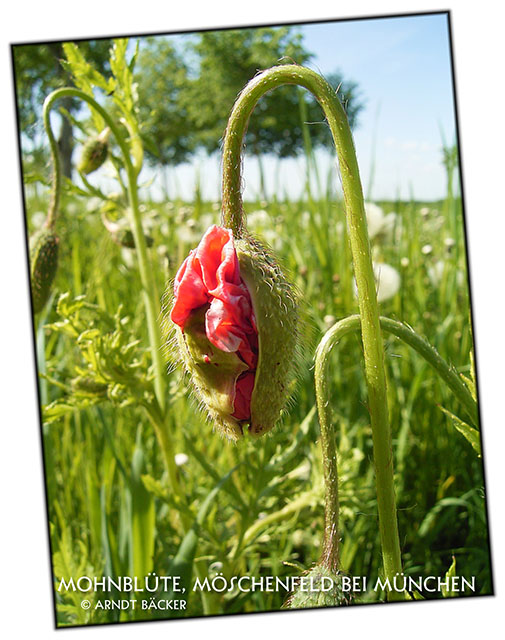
x,y
124,495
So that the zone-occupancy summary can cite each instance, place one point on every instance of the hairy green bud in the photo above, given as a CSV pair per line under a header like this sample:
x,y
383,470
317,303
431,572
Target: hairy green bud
x,y
124,238
94,153
43,266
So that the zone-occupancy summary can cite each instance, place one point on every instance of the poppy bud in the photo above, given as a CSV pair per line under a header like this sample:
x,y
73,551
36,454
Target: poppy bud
x,y
94,153
124,238
43,266
237,331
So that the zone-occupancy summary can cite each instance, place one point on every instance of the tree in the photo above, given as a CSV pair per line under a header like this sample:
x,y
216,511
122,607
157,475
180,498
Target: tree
x,y
162,77
227,61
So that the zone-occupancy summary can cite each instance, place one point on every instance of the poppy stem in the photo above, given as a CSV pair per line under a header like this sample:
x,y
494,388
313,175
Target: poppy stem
x,y
233,218
149,288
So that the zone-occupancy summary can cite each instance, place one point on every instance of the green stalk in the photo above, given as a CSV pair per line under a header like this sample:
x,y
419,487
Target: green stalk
x,y
146,272
233,217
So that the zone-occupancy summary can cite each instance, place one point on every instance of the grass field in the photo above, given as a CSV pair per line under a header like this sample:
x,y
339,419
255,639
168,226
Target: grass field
x,y
271,511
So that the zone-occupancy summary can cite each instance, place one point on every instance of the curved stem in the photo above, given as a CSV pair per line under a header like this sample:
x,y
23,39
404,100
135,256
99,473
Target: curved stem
x,y
56,159
304,500
448,374
330,556
146,272
360,246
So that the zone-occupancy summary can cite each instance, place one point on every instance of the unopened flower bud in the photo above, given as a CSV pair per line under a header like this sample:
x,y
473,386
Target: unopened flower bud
x,y
89,386
124,238
43,266
94,153
236,319
121,235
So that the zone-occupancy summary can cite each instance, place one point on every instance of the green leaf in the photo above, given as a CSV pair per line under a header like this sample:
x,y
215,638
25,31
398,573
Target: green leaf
x,y
155,487
448,593
143,517
471,434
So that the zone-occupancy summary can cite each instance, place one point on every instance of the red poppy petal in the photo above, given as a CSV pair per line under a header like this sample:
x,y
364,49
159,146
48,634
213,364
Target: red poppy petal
x,y
211,275
217,255
243,393
189,290
227,333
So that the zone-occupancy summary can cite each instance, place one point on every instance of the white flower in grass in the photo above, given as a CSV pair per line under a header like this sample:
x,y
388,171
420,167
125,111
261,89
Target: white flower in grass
x,y
128,257
329,320
38,219
437,271
187,234
180,459
374,218
387,281
427,249
259,218
379,224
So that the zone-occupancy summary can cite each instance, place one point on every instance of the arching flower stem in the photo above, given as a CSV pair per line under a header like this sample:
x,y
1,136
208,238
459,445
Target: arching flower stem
x,y
233,217
412,339
149,288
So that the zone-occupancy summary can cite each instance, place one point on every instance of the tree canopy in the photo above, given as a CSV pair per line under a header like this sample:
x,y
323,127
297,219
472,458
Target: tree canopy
x,y
186,92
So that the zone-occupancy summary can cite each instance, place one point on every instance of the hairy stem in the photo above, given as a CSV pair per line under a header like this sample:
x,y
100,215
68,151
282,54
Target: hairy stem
x,y
407,335
233,217
330,555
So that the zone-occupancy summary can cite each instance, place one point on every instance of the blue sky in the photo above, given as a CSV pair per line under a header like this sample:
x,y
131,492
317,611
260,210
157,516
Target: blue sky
x,y
403,68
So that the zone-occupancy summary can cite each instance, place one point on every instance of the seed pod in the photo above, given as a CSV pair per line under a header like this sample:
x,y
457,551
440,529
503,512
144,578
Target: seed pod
x,y
319,587
43,266
94,153
89,386
237,331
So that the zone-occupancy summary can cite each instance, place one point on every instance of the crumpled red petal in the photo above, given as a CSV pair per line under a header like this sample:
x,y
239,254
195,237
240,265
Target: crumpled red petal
x,y
211,275
243,393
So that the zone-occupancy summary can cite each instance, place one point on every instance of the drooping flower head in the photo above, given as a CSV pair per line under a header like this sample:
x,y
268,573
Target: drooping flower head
x,y
236,319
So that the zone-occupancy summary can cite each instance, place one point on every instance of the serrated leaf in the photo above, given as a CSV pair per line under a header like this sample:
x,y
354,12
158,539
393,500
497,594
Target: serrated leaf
x,y
154,486
89,334
56,410
30,178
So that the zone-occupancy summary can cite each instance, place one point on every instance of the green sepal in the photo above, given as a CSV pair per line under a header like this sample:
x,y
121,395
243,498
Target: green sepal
x,y
275,308
213,372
